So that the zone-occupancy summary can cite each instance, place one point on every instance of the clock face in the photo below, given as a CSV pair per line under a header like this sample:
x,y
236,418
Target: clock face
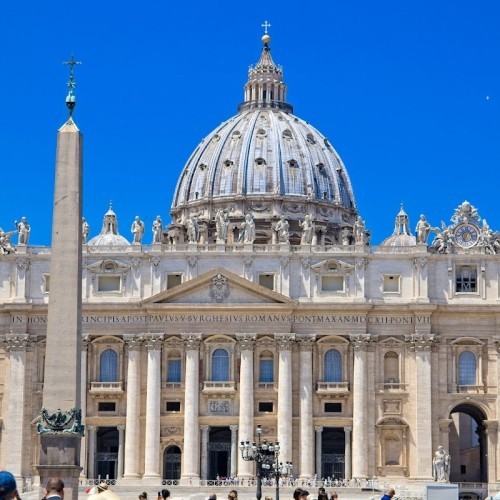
x,y
466,235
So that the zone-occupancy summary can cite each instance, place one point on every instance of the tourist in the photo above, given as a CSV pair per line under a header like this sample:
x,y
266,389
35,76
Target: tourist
x,y
297,493
143,496
213,496
334,496
388,494
233,495
8,486
54,489
163,494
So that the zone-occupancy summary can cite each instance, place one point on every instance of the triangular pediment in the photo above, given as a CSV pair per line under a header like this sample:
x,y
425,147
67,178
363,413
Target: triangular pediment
x,y
332,266
218,286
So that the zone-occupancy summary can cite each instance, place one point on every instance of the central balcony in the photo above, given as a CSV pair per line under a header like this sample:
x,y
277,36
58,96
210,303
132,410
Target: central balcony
x,y
219,387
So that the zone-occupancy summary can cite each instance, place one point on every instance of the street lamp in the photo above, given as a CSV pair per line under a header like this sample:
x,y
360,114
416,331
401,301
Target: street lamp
x,y
265,455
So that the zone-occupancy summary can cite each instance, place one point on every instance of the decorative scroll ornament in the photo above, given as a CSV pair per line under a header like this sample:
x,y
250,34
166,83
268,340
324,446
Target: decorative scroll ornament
x,y
67,422
219,289
421,342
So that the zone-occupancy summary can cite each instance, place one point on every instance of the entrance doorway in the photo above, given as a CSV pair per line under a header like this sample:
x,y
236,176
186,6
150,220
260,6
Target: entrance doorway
x,y
333,453
107,453
468,445
172,463
219,452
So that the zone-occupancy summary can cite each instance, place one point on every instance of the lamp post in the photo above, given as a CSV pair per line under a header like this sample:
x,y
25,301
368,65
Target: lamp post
x,y
265,455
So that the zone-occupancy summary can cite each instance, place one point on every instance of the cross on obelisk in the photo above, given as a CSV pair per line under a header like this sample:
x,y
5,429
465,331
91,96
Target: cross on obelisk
x,y
59,426
70,99
266,25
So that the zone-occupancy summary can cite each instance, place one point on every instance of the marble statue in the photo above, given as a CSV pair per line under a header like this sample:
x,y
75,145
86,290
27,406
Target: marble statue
x,y
488,240
422,230
6,246
85,230
441,466
359,231
247,229
23,229
346,236
137,229
444,240
282,229
157,229
221,224
193,229
307,230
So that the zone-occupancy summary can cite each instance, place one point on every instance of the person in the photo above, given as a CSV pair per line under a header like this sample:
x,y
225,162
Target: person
x,y
23,228
422,230
307,230
213,496
143,496
85,230
137,229
233,495
163,494
441,465
157,229
297,493
334,496
388,494
282,228
8,486
54,489
322,495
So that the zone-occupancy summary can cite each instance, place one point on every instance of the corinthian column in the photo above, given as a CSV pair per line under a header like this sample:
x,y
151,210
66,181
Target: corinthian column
x,y
285,428
306,390
191,455
153,405
246,344
132,428
360,443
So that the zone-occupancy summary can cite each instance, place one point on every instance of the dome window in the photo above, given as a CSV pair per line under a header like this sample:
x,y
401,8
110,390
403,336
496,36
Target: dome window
x,y
216,138
260,162
228,163
202,166
310,139
327,144
261,133
287,135
293,163
236,135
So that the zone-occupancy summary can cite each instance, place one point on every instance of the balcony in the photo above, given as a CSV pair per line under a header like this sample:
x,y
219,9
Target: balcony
x,y
466,389
267,386
335,389
392,387
172,385
106,388
219,387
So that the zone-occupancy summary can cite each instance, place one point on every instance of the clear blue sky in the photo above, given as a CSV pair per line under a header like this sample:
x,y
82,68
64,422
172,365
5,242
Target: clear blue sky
x,y
407,91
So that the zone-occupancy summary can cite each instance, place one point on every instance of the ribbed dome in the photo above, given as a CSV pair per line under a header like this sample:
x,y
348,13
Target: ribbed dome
x,y
109,236
267,162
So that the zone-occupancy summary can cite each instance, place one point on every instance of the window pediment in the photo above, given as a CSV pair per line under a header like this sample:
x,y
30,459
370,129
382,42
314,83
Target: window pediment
x,y
332,266
108,266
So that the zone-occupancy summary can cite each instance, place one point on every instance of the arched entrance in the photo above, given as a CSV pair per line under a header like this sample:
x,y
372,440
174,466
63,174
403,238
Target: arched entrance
x,y
172,463
333,453
219,452
468,445
107,453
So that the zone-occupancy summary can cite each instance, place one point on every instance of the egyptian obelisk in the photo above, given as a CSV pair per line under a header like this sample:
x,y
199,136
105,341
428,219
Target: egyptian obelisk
x,y
60,427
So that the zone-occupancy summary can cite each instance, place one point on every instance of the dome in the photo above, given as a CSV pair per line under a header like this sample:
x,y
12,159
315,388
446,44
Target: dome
x,y
268,162
109,236
401,236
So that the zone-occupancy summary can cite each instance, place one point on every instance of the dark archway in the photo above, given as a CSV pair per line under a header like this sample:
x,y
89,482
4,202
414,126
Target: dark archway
x,y
107,453
172,462
468,445
333,453
219,452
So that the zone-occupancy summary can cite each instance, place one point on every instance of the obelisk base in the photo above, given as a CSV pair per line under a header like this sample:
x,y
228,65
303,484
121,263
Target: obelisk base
x,y
60,457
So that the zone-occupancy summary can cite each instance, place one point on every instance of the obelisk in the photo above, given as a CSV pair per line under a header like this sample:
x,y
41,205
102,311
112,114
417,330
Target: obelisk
x,y
60,427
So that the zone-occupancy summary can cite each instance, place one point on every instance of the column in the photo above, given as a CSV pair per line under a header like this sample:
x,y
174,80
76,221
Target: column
x,y
491,434
319,451
204,451
421,345
153,408
234,449
246,344
360,443
132,423
285,428
91,434
191,455
83,396
16,347
121,439
306,390
347,471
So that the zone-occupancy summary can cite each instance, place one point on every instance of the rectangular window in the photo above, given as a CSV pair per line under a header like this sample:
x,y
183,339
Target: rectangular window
x,y
266,407
108,283
106,406
173,406
266,370
332,283
46,283
174,370
391,283
267,281
466,279
173,280
463,469
333,407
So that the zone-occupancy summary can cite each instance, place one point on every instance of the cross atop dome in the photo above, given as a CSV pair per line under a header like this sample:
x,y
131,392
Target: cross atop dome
x,y
266,25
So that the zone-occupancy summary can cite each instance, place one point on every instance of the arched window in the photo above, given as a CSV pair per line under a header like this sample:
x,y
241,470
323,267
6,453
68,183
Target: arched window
x,y
391,368
108,366
266,367
220,365
467,368
333,366
172,463
174,369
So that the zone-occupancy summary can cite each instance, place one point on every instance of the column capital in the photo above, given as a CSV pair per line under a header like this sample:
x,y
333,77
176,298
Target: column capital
x,y
491,426
86,342
444,424
318,428
120,428
133,342
361,342
306,342
17,342
347,429
154,342
421,341
204,428
233,428
284,341
246,341
92,428
192,341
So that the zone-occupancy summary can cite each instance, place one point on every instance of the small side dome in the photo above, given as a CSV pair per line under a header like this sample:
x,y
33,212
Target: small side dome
x,y
401,236
109,236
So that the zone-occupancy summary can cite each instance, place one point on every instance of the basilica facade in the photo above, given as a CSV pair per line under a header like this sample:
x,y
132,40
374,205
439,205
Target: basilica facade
x,y
264,303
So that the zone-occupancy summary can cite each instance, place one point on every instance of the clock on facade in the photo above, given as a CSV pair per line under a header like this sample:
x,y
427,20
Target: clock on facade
x,y
466,235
